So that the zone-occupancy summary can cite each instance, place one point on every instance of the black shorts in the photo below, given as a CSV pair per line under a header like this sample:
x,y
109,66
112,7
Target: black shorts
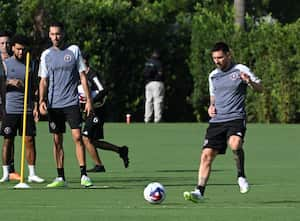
x,y
58,117
93,125
217,134
11,123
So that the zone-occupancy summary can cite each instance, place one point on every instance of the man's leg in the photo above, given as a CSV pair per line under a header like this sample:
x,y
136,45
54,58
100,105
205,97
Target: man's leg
x,y
236,144
148,103
80,153
159,93
7,143
122,151
58,153
207,157
94,155
31,158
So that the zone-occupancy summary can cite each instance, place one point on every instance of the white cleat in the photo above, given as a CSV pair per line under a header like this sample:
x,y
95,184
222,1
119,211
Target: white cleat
x,y
35,179
194,196
4,179
243,184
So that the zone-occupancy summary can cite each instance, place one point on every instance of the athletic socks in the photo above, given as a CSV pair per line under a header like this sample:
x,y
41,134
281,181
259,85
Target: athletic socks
x,y
201,189
83,171
61,173
239,157
31,169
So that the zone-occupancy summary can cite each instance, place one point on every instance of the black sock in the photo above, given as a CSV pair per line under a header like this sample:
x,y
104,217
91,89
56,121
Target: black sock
x,y
202,189
83,170
240,162
61,173
11,167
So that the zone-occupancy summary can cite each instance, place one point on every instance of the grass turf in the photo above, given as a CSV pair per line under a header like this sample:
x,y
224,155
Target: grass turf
x,y
167,153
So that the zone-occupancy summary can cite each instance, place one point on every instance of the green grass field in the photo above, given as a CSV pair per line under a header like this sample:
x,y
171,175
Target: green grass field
x,y
167,153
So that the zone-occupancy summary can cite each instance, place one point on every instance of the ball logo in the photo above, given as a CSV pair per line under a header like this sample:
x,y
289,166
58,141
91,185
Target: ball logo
x,y
67,58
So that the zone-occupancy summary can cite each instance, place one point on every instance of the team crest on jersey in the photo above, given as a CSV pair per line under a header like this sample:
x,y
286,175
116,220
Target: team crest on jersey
x,y
67,58
234,76
7,130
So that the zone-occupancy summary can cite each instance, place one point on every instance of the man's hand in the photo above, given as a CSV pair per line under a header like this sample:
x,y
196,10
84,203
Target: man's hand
x,y
16,82
88,108
245,77
212,110
43,108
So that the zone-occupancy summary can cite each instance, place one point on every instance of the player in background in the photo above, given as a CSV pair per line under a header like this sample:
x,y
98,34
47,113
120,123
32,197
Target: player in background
x,y
15,70
61,68
93,131
227,86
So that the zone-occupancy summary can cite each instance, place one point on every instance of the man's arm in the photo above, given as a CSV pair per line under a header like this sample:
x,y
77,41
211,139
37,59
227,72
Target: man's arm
x,y
256,86
212,109
88,105
43,94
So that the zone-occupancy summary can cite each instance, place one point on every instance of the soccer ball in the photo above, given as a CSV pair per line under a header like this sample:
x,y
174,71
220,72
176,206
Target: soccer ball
x,y
154,193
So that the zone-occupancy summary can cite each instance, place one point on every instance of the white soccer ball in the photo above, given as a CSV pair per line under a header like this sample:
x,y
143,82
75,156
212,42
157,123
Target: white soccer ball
x,y
154,193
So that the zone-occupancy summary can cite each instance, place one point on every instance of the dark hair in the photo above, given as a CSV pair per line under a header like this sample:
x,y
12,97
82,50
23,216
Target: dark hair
x,y
57,24
5,34
20,39
220,46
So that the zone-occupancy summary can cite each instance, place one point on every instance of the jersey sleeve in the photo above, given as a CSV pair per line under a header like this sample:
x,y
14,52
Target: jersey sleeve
x,y
43,71
79,60
246,70
210,84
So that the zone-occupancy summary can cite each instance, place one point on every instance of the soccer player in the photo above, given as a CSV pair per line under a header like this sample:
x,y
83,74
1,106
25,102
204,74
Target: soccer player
x,y
227,86
93,129
15,69
5,50
61,68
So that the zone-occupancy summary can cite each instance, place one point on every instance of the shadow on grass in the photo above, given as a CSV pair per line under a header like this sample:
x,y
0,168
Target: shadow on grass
x,y
281,202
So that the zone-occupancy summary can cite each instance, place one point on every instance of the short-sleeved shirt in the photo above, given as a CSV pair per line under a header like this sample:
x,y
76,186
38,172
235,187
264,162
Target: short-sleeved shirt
x,y
229,91
62,67
14,97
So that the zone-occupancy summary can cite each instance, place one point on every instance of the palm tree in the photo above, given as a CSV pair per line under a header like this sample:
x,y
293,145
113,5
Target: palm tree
x,y
239,13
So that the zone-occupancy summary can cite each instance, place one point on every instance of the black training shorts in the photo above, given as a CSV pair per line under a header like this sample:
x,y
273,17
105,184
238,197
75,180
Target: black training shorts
x,y
11,123
93,125
57,118
217,134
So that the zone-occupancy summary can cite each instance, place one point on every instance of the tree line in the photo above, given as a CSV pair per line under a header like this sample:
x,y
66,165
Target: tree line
x,y
119,35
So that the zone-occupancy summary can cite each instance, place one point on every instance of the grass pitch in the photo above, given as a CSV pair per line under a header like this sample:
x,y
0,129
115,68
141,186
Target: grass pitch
x,y
166,153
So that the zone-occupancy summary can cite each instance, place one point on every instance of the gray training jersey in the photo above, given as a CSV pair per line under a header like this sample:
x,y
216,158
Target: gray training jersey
x,y
14,97
62,68
230,92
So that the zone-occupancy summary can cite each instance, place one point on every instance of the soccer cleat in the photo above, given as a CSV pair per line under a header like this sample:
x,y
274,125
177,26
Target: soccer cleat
x,y
4,179
14,176
97,169
57,182
194,196
35,179
243,184
86,181
123,152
